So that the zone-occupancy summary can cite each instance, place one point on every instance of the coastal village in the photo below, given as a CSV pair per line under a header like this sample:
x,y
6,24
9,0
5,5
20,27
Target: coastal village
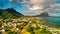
x,y
26,25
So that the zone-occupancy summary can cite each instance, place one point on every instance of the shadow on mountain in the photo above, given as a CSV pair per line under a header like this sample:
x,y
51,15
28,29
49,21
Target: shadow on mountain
x,y
9,13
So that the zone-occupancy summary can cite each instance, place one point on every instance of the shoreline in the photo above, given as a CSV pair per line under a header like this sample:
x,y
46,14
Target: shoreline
x,y
47,23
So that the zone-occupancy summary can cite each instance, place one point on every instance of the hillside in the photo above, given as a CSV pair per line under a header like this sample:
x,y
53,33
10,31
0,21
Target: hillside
x,y
26,25
23,25
9,13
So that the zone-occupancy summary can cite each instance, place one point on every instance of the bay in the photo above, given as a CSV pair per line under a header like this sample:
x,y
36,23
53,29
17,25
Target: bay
x,y
55,21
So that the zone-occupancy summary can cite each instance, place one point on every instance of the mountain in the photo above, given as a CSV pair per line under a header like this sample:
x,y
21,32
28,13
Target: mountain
x,y
13,11
9,13
44,14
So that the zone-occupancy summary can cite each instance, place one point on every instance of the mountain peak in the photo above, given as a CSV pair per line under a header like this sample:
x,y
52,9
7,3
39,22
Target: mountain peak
x,y
13,11
10,9
9,13
44,14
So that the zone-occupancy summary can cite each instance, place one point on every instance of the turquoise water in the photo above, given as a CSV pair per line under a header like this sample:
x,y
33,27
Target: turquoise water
x,y
52,20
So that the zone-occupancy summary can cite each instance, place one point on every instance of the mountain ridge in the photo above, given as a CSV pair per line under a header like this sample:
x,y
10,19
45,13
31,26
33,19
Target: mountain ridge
x,y
9,13
14,11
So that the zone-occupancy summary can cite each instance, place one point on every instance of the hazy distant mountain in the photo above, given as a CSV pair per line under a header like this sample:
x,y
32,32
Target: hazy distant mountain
x,y
44,14
9,13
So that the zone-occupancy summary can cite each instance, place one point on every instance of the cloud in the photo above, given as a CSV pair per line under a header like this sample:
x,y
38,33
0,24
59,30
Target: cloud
x,y
39,4
52,11
36,7
32,13
35,4
15,1
10,0
56,6
54,14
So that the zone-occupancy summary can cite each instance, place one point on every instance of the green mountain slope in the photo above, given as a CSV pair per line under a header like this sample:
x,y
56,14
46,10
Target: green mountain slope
x,y
9,13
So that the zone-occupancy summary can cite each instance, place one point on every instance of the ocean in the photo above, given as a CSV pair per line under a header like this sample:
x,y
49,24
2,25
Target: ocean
x,y
55,21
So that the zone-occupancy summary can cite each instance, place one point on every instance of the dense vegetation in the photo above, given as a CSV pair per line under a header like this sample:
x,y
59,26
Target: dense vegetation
x,y
25,25
11,23
9,13
5,14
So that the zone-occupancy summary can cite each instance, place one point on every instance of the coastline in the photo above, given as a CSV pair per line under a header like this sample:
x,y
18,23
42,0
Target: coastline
x,y
48,23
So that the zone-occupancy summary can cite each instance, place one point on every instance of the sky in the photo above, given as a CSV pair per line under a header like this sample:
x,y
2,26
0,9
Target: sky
x,y
30,6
